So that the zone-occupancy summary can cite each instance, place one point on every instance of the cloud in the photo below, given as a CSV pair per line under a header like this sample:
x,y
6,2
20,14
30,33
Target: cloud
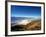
x,y
23,22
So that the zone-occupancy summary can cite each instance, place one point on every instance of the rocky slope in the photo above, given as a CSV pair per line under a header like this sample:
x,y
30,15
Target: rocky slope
x,y
34,25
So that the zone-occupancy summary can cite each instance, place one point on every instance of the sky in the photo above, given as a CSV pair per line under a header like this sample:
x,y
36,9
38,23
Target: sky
x,y
23,11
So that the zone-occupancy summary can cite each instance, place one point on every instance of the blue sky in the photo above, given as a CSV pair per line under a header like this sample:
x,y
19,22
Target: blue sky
x,y
21,11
